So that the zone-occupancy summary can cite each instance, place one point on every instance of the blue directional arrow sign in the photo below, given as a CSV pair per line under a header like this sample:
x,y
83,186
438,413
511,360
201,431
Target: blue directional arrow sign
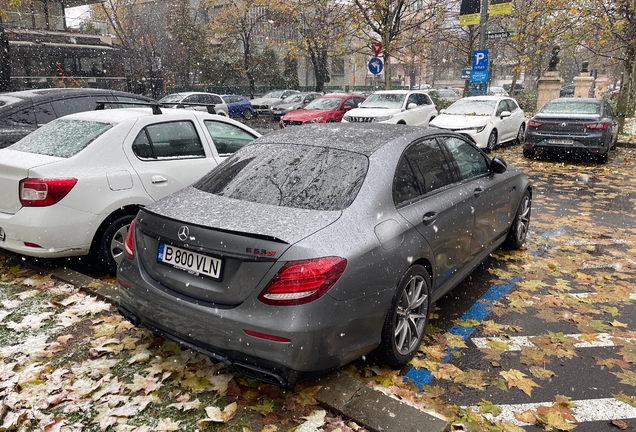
x,y
480,60
375,66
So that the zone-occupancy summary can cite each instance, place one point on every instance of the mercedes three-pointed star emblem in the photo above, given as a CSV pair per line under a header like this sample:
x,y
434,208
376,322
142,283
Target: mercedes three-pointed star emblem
x,y
184,233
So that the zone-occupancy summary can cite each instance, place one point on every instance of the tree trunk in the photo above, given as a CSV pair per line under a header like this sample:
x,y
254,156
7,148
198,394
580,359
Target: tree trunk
x,y
386,55
626,98
5,63
319,62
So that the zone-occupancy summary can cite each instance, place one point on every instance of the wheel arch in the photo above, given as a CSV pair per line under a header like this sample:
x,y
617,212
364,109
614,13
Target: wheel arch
x,y
424,262
130,209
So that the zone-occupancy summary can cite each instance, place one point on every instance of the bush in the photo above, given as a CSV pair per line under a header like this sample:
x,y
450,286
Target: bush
x,y
527,100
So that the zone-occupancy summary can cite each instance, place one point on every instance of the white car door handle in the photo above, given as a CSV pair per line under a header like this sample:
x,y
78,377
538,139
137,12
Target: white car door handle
x,y
158,179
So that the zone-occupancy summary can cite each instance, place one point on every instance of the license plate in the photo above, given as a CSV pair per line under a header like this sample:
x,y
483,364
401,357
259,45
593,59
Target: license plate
x,y
192,262
561,141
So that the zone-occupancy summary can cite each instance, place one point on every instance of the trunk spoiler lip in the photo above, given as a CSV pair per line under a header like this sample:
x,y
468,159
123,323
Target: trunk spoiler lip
x,y
198,248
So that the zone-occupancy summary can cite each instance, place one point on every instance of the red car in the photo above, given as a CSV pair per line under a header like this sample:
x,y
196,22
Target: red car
x,y
329,108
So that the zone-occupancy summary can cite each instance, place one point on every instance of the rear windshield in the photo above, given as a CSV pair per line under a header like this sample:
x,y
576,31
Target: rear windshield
x,y
574,107
298,176
327,103
61,138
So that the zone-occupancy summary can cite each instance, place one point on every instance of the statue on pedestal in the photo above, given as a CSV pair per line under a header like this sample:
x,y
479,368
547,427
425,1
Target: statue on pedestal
x,y
554,60
584,66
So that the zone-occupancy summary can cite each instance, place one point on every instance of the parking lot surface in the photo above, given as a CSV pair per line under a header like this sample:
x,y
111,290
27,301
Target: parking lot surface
x,y
542,338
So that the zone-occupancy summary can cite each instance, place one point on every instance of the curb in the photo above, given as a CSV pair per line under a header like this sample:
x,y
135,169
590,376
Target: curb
x,y
372,409
340,393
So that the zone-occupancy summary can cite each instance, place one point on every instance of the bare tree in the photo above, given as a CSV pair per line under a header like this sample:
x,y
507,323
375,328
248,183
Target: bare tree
x,y
322,26
388,21
240,19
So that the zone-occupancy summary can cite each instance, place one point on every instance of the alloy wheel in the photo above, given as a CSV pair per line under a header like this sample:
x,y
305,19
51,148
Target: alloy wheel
x,y
411,315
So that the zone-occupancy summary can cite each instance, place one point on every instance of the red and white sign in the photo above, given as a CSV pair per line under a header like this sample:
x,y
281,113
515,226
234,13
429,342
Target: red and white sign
x,y
376,47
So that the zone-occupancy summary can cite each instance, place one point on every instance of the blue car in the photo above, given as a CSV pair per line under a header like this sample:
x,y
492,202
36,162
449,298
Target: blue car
x,y
239,106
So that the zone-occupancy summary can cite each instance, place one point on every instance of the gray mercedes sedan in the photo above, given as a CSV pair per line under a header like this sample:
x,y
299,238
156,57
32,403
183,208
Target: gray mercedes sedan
x,y
316,245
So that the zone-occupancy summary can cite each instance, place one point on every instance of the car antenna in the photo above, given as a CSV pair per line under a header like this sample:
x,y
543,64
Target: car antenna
x,y
156,107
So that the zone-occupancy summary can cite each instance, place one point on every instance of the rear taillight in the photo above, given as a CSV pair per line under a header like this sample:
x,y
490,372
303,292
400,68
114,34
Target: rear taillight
x,y
597,126
44,192
533,124
129,244
300,282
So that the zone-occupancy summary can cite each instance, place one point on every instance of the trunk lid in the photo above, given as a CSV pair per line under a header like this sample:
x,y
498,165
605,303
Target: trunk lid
x,y
559,124
231,244
15,166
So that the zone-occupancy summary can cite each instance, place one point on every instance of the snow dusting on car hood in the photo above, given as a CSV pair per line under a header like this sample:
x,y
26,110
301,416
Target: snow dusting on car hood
x,y
288,224
449,121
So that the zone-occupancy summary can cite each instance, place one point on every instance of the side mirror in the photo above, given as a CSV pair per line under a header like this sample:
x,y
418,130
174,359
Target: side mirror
x,y
505,114
498,165
412,105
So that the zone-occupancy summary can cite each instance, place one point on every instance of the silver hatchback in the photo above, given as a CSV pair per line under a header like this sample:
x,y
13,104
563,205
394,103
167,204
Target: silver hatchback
x,y
314,246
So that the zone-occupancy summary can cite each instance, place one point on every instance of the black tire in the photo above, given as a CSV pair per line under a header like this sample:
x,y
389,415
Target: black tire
x,y
405,323
110,247
529,153
492,140
248,114
520,135
521,223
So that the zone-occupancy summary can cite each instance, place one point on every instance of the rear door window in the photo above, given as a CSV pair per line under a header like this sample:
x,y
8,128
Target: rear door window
x,y
470,161
44,113
169,140
423,168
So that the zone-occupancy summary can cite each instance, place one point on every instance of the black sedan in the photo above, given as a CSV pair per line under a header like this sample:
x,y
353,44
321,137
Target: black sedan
x,y
315,246
573,126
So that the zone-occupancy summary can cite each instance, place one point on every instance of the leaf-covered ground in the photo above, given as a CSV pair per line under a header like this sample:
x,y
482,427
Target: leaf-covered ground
x,y
69,362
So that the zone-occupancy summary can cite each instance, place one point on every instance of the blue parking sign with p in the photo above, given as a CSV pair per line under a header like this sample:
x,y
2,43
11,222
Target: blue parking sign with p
x,y
480,60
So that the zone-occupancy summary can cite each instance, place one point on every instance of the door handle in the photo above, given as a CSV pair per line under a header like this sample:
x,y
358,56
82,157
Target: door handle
x,y
158,179
478,192
429,218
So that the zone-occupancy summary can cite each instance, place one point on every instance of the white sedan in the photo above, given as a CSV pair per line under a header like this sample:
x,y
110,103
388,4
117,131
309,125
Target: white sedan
x,y
72,187
487,120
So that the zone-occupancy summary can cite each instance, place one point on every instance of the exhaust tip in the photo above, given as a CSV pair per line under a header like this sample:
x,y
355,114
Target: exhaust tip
x,y
134,319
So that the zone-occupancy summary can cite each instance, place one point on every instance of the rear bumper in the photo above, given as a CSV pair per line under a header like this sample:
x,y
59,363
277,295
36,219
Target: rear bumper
x,y
321,335
58,231
598,143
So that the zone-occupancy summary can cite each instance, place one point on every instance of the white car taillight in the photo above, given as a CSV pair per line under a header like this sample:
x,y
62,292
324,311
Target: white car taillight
x,y
44,192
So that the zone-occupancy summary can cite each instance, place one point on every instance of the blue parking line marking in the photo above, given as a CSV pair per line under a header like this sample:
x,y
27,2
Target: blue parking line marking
x,y
478,312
